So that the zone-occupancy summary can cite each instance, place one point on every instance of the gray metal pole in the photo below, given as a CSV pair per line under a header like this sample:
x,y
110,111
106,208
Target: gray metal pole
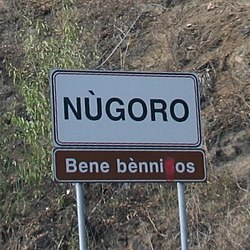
x,y
182,215
81,216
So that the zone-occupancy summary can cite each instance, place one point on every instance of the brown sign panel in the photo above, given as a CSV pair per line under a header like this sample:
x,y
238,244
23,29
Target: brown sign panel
x,y
77,165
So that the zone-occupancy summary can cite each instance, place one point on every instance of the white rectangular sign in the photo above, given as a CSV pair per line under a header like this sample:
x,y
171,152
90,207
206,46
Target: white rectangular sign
x,y
125,109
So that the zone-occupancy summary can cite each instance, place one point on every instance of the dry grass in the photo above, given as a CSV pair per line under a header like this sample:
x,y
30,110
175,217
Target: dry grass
x,y
210,38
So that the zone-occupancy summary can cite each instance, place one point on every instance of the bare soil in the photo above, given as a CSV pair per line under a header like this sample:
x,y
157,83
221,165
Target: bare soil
x,y
211,38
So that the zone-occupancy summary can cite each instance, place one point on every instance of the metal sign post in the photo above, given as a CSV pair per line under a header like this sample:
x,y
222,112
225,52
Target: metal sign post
x,y
92,112
81,216
182,215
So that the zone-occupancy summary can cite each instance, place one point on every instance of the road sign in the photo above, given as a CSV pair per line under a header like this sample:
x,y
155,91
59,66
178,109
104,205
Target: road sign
x,y
77,165
127,110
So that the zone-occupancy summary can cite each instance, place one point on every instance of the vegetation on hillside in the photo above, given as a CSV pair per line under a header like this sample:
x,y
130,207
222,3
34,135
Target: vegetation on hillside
x,y
208,37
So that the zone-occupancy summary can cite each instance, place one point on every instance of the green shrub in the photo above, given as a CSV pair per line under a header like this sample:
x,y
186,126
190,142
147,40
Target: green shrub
x,y
57,43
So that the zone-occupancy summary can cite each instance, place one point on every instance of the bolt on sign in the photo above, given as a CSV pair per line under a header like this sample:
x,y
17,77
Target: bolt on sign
x,y
126,110
77,165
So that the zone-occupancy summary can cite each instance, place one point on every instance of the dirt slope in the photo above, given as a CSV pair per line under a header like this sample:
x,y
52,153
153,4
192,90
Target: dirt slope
x,y
211,38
